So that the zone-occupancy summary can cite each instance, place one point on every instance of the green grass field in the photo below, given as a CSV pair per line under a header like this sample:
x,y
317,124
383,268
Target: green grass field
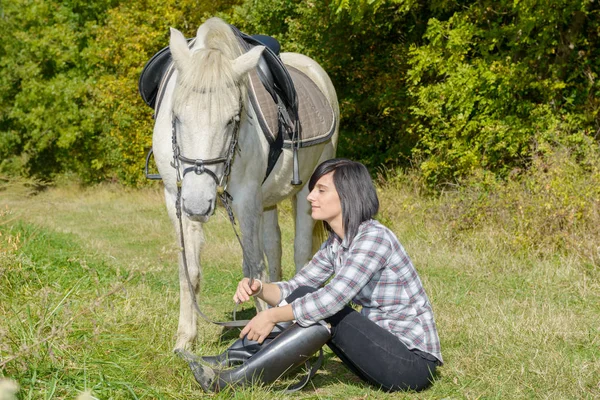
x,y
89,302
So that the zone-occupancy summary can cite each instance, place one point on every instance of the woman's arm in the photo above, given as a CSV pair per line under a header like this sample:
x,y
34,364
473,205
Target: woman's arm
x,y
262,324
369,252
315,273
268,292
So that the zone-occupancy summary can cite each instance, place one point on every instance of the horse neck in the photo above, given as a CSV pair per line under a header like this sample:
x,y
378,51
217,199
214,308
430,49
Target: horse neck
x,y
251,162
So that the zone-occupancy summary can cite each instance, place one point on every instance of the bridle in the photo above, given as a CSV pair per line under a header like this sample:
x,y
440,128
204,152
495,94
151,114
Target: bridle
x,y
198,166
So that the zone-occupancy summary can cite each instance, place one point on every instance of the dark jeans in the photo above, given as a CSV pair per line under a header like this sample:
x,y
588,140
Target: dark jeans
x,y
372,353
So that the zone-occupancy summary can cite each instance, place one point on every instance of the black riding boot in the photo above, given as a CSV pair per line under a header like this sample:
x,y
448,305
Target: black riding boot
x,y
243,349
287,351
237,353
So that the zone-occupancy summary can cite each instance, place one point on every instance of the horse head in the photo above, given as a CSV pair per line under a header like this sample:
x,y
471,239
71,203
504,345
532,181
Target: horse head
x,y
207,109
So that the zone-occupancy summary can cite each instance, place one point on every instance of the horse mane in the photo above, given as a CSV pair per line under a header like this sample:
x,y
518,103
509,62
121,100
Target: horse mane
x,y
210,69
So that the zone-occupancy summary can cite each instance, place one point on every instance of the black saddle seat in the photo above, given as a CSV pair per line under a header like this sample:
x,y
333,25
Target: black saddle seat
x,y
269,41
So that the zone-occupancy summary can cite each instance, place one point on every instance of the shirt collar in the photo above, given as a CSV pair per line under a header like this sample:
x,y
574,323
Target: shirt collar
x,y
336,241
345,243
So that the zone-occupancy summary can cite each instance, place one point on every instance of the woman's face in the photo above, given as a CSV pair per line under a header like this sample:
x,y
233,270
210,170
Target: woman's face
x,y
325,202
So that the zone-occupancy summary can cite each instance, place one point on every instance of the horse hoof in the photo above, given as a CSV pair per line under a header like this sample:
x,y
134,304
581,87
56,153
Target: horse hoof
x,y
187,356
183,344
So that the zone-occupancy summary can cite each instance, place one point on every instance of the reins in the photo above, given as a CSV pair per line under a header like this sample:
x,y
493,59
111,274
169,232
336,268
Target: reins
x,y
199,167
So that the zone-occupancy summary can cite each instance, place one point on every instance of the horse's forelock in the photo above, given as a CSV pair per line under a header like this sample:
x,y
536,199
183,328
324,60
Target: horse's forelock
x,y
210,80
210,72
212,57
217,34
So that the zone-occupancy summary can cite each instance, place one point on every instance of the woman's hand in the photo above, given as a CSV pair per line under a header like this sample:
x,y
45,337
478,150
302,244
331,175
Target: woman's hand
x,y
259,327
245,291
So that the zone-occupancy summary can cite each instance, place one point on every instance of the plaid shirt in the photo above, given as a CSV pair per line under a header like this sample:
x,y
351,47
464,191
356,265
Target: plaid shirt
x,y
375,273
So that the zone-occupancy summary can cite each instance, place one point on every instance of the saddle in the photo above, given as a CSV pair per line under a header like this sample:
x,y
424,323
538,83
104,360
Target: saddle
x,y
155,69
273,94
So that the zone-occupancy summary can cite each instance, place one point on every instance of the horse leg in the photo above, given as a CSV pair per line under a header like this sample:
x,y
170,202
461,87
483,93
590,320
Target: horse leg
x,y
193,237
272,243
303,240
188,329
249,211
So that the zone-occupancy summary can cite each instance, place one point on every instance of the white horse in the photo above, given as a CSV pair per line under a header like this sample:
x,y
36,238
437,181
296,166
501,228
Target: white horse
x,y
205,102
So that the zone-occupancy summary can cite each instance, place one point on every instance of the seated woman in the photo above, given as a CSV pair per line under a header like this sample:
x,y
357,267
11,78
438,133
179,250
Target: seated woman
x,y
391,343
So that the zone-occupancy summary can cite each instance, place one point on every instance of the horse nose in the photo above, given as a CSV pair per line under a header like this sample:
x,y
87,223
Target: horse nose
x,y
203,208
198,194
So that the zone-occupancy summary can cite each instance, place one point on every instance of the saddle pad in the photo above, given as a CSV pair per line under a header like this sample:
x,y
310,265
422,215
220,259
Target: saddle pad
x,y
315,112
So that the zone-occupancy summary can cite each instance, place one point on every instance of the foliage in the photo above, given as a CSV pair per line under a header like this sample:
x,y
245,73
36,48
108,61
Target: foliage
x,y
45,126
496,78
551,209
455,88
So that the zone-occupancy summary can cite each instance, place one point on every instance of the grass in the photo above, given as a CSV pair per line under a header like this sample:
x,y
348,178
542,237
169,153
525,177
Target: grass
x,y
89,302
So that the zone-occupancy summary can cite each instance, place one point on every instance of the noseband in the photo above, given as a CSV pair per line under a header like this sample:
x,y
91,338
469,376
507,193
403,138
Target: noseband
x,y
198,166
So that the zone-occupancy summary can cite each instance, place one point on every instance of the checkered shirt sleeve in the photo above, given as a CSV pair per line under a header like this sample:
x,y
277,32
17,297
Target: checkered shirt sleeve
x,y
353,269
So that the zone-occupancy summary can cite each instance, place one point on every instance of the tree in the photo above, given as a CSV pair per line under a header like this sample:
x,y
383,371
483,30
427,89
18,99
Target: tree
x,y
363,46
497,79
45,87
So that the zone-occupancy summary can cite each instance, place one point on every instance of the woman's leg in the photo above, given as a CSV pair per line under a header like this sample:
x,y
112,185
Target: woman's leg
x,y
371,352
378,355
287,351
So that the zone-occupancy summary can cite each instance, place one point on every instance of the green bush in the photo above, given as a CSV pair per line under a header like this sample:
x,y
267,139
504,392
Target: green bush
x,y
495,78
45,124
453,88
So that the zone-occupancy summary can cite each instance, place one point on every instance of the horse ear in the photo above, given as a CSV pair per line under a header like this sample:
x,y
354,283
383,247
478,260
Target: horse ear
x,y
247,61
179,48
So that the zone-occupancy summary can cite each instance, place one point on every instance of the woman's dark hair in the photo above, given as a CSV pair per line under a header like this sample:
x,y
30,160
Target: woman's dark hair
x,y
356,190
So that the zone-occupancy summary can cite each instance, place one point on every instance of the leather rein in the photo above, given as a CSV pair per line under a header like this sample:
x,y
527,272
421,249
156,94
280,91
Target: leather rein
x,y
198,166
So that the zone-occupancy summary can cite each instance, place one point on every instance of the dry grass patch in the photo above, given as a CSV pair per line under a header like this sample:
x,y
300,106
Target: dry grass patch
x,y
89,277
